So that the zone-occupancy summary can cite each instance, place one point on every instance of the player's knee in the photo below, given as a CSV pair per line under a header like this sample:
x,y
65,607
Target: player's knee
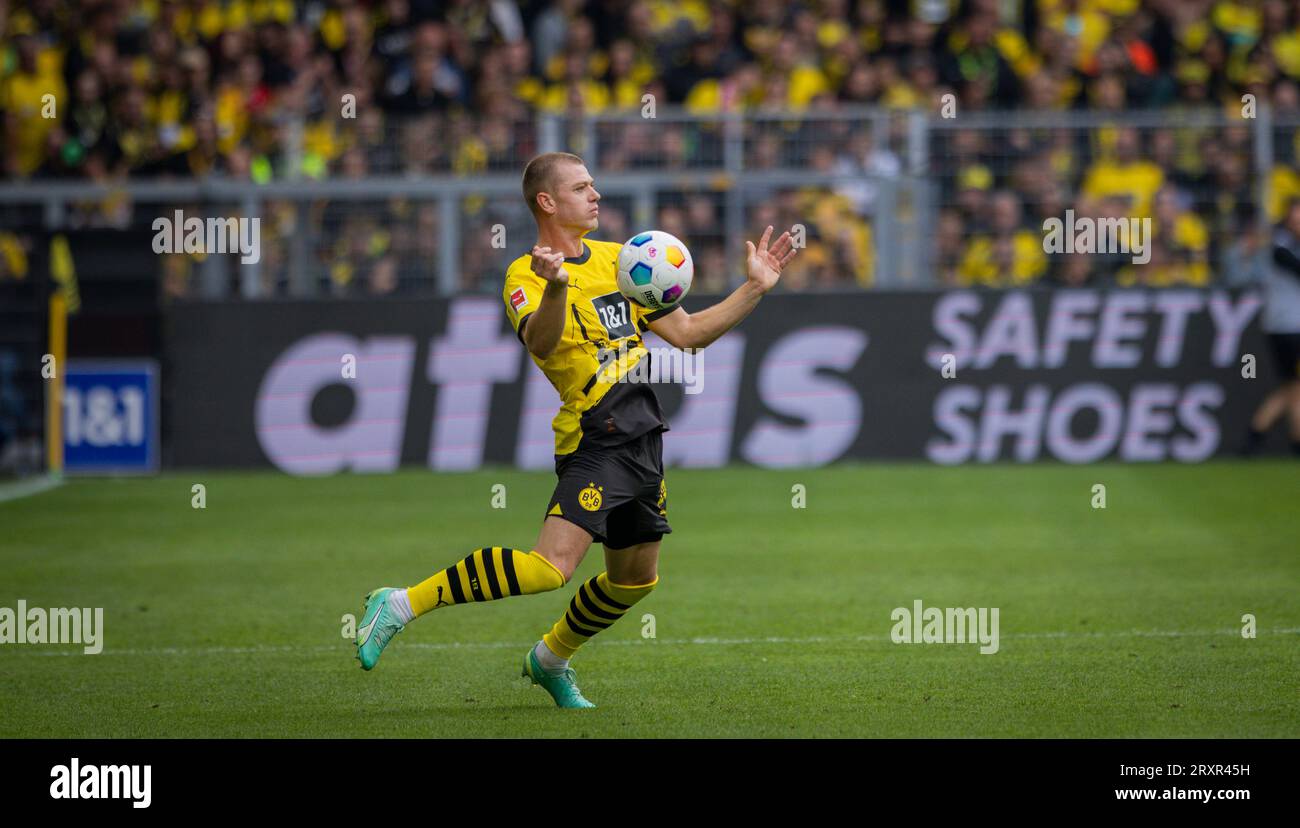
x,y
631,590
542,575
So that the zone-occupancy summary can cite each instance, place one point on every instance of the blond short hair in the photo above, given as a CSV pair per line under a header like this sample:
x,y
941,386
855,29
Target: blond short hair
x,y
539,176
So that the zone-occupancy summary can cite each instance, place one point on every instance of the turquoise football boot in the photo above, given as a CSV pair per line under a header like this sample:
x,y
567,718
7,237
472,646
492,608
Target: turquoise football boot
x,y
561,686
378,626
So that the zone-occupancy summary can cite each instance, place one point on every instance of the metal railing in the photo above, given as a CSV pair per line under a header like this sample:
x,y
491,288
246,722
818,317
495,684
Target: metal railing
x,y
879,175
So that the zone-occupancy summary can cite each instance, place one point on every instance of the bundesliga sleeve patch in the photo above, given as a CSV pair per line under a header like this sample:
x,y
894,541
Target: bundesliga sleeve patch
x,y
518,299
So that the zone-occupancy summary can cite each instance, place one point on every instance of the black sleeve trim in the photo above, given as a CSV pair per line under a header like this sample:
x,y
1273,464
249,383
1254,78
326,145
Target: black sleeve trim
x,y
650,317
1284,258
519,332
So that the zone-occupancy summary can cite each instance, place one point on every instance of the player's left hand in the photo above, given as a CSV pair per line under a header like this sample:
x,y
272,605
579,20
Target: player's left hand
x,y
765,264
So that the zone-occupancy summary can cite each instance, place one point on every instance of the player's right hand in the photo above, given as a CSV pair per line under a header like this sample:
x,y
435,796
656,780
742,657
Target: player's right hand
x,y
549,264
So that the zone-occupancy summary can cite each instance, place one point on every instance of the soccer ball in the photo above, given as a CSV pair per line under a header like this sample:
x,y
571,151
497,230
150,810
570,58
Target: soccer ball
x,y
655,269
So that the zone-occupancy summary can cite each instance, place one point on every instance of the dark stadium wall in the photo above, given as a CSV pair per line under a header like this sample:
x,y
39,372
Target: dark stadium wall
x,y
117,286
950,377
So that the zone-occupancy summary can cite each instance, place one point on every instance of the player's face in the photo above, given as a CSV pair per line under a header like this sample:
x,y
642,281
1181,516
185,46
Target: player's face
x,y
576,198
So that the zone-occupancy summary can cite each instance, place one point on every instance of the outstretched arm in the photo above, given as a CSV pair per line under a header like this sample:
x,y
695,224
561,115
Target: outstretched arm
x,y
698,330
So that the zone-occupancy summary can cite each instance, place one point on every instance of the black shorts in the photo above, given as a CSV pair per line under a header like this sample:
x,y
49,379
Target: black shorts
x,y
616,493
1286,350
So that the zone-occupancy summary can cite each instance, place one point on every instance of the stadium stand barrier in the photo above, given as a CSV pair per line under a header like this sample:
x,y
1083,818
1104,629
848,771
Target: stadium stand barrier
x,y
888,198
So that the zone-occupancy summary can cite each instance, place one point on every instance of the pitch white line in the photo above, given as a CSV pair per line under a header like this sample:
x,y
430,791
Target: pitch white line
x,y
27,488
75,649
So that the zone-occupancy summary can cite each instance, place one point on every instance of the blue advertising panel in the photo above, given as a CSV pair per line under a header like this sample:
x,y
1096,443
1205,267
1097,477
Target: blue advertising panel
x,y
110,416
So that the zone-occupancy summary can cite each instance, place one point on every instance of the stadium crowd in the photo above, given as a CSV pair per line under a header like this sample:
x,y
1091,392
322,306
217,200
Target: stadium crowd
x,y
259,90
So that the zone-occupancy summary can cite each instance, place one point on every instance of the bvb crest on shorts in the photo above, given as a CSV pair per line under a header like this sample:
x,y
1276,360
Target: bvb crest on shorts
x,y
590,497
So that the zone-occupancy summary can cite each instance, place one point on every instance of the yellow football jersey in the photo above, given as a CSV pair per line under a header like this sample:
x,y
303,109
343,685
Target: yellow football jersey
x,y
595,409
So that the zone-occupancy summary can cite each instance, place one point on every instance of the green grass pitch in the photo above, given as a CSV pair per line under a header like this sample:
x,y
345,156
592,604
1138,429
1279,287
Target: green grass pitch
x,y
770,621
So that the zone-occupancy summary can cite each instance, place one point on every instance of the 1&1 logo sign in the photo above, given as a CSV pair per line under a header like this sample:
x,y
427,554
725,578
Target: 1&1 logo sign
x,y
110,416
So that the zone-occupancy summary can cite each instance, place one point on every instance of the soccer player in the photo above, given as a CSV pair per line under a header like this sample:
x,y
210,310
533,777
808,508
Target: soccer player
x,y
565,306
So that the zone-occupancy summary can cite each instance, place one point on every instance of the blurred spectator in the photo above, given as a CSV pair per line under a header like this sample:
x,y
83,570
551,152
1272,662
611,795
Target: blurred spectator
x,y
1126,175
1009,254
1281,324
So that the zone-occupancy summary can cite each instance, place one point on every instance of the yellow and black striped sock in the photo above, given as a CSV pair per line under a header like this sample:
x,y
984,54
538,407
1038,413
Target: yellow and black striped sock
x,y
597,605
485,575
